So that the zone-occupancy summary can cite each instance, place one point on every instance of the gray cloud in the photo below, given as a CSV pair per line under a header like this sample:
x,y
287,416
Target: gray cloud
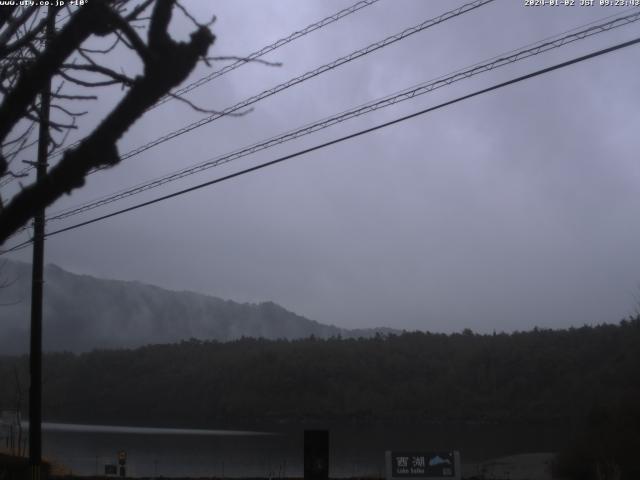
x,y
507,211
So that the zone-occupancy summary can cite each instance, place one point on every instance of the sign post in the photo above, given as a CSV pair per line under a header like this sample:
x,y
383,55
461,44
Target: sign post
x,y
316,454
122,461
423,465
111,470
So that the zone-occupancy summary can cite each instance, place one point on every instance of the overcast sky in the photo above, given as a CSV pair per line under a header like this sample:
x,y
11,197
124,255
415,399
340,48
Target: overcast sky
x,y
515,209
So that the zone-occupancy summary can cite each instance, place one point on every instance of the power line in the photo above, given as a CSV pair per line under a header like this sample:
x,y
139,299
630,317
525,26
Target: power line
x,y
308,75
311,74
340,139
269,48
407,94
238,63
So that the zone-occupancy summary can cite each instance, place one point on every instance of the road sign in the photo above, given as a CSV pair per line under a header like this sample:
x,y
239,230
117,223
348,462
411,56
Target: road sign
x,y
423,465
316,454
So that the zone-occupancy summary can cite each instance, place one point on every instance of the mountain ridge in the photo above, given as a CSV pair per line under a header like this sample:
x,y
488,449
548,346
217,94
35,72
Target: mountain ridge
x,y
84,312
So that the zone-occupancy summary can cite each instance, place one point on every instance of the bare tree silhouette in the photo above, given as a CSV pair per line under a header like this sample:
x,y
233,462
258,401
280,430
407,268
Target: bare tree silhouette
x,y
31,55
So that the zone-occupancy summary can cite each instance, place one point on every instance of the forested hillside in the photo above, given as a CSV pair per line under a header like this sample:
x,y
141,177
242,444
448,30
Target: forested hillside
x,y
82,313
541,376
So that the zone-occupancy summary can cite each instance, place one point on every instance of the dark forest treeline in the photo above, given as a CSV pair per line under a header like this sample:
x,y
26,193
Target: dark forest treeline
x,y
540,375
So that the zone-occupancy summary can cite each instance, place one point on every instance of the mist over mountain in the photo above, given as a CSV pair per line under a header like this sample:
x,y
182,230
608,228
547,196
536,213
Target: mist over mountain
x,y
82,313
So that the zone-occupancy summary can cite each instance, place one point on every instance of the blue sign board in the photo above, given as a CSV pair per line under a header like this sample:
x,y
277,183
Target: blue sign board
x,y
424,465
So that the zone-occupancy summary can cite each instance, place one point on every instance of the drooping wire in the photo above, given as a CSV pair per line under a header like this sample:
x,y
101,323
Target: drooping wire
x,y
339,140
304,77
288,84
228,68
310,74
406,94
269,48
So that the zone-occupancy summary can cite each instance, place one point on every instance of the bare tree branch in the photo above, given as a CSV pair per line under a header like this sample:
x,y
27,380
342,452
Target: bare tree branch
x,y
74,97
87,84
6,13
134,41
204,110
103,51
115,76
244,59
13,24
23,41
84,22
133,15
186,13
69,112
167,64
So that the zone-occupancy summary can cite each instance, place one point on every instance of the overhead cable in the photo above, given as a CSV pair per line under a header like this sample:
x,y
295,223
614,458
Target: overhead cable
x,y
242,105
269,48
407,94
337,140
236,64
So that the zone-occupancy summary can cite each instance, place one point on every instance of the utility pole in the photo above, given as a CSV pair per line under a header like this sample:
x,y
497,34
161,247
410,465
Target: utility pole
x,y
35,357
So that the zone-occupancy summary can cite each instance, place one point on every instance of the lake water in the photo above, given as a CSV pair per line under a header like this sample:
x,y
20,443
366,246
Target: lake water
x,y
155,452
354,450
